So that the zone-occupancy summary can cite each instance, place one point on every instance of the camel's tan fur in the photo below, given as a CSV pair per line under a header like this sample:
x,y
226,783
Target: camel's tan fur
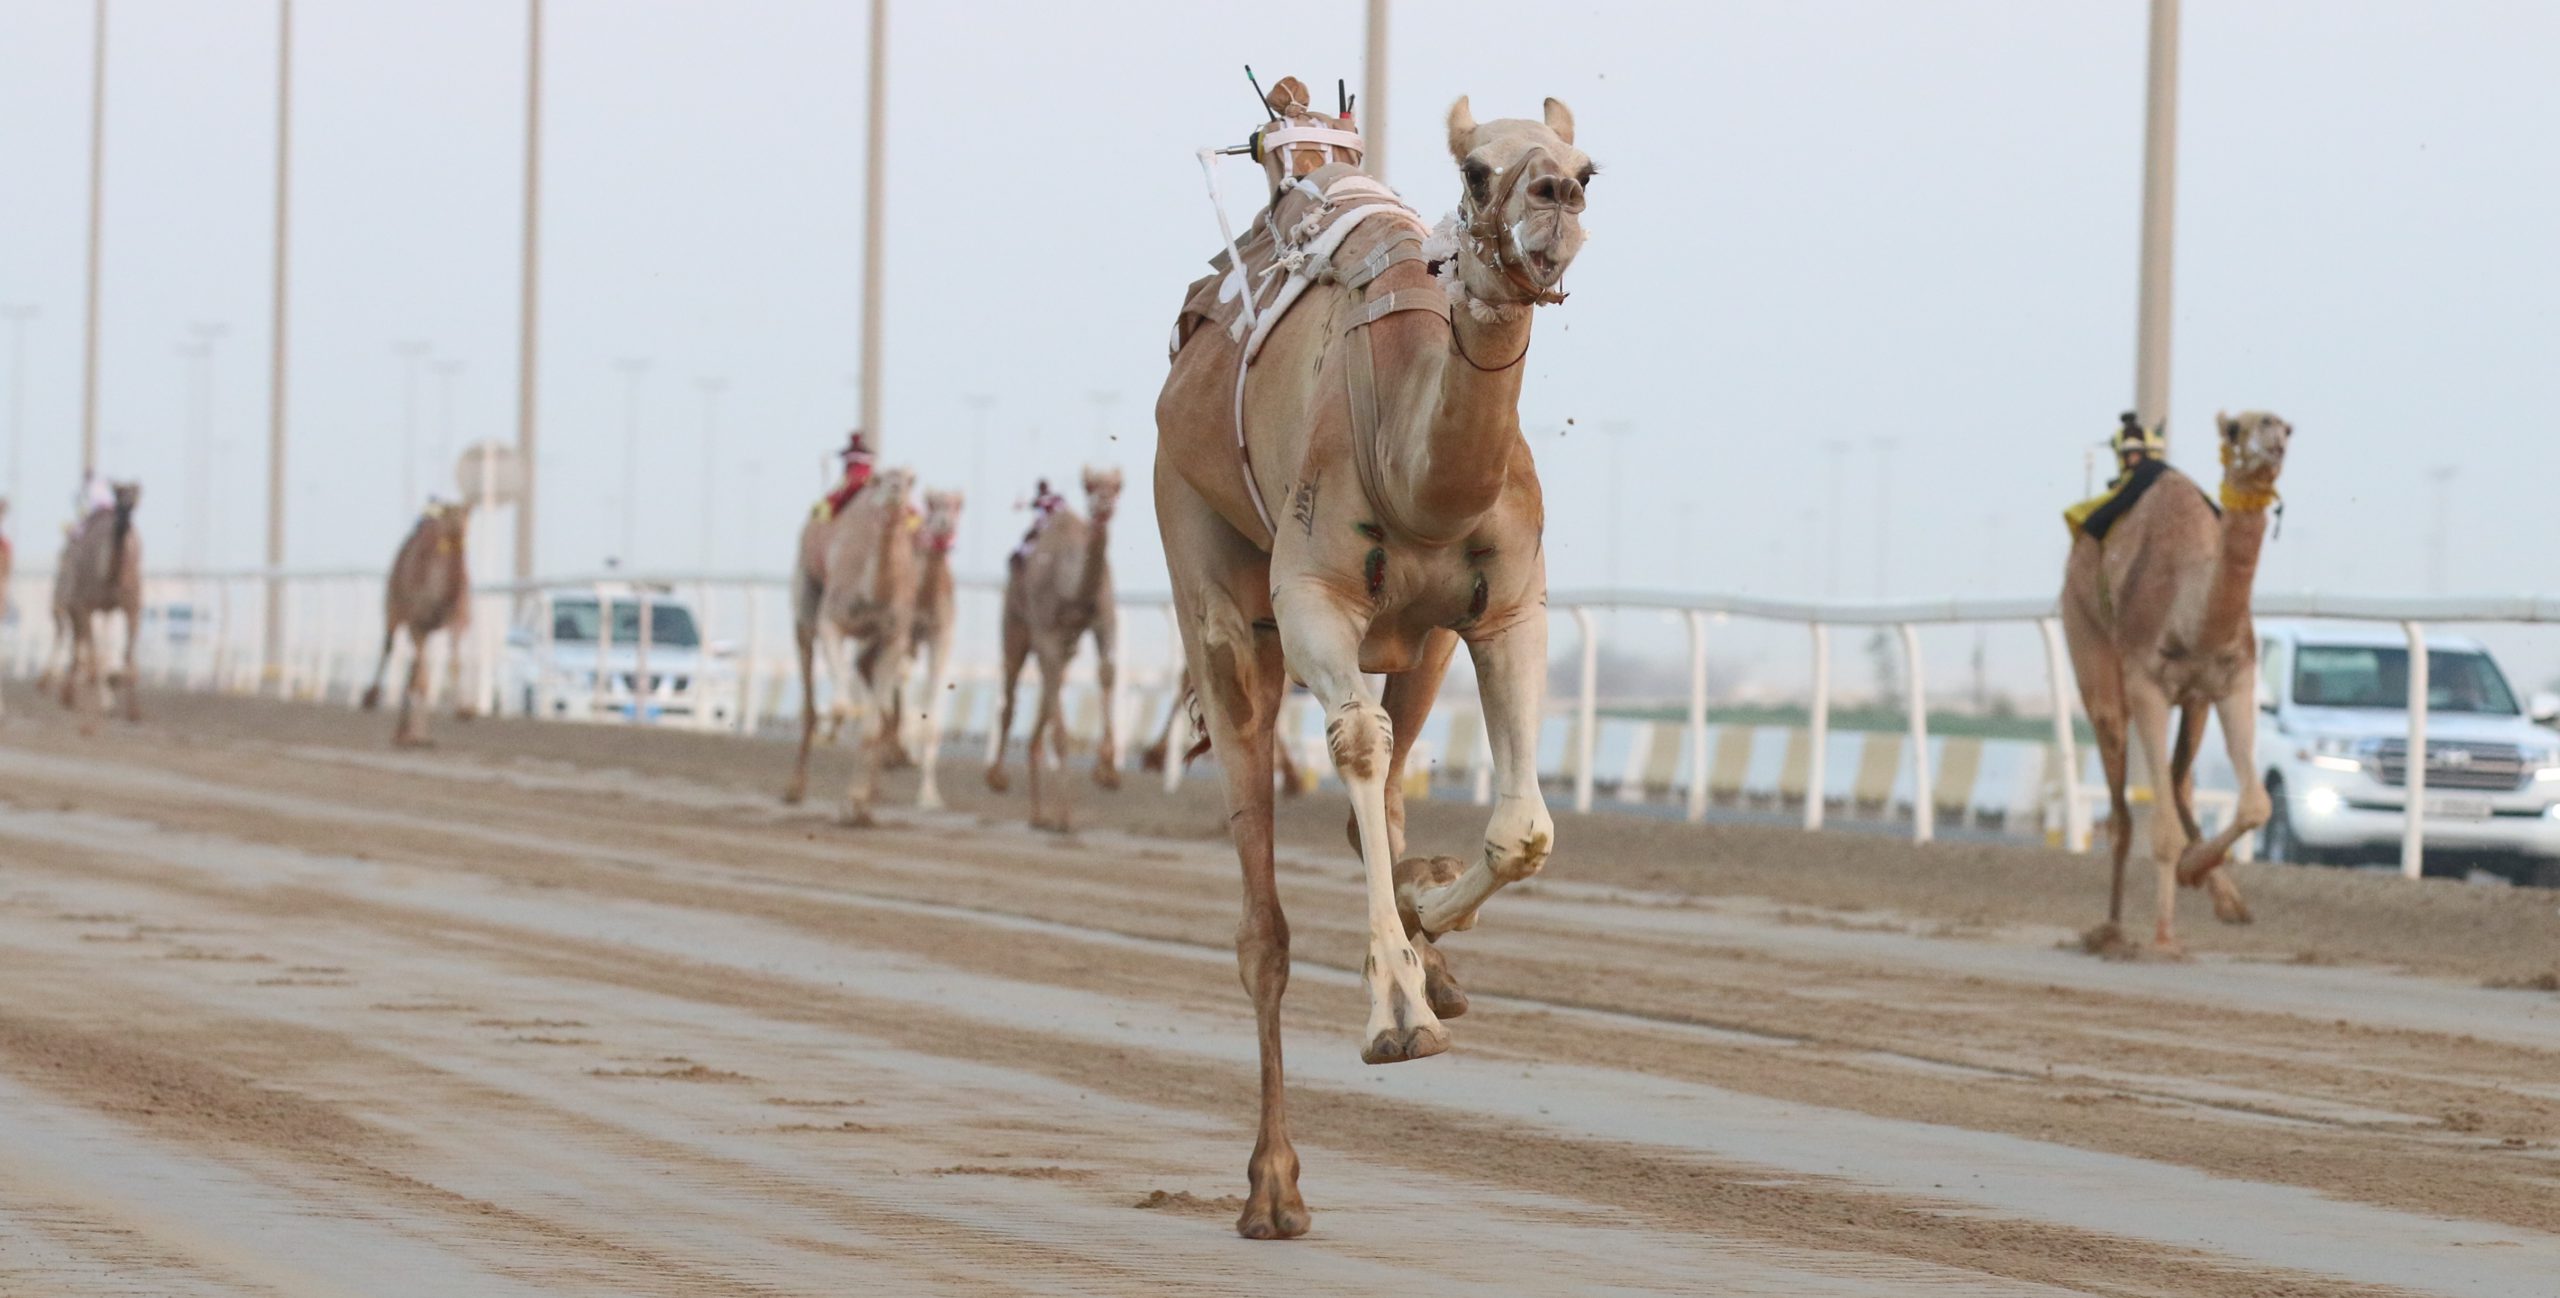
x,y
2157,618
936,611
101,572
854,578
429,590
1056,595
1383,566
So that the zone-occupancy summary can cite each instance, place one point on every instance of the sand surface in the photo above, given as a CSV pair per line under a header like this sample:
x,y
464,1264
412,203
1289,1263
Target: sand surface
x,y
571,1010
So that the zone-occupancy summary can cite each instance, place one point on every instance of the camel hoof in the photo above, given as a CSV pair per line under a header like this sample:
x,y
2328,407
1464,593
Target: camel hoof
x,y
412,741
929,801
998,780
1398,1045
1416,875
1151,761
1279,1215
372,698
1107,776
791,796
1440,989
2195,865
2107,942
1052,824
853,817
2168,948
2230,909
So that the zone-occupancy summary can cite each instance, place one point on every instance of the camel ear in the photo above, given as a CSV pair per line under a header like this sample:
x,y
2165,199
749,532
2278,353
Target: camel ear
x,y
1560,120
2226,425
1462,129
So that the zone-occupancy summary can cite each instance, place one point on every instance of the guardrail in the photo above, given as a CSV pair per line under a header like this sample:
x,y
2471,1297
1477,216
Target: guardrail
x,y
331,616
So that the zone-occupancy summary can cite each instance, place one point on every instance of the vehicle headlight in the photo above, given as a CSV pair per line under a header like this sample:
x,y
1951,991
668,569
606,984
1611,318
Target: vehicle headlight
x,y
2544,762
2322,801
2331,753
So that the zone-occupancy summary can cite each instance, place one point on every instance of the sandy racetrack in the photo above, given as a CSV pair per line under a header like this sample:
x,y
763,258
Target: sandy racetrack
x,y
577,1010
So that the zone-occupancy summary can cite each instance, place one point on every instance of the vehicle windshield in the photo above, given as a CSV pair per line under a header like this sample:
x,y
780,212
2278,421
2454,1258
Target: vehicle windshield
x,y
670,625
2371,676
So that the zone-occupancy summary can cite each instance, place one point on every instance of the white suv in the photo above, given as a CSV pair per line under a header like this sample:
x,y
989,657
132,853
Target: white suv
x,y
2334,745
565,661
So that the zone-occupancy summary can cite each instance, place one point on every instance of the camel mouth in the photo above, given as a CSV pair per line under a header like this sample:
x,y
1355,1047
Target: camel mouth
x,y
1544,266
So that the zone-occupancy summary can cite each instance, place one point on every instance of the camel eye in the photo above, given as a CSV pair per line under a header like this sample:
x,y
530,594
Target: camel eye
x,y
1479,180
1583,177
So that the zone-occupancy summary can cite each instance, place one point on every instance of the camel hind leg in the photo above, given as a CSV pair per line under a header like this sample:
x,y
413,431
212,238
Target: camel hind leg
x,y
411,731
1106,755
1048,723
2205,862
2147,714
806,636
1017,647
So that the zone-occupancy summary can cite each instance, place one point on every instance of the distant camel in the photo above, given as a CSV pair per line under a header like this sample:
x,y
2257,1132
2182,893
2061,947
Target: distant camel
x,y
8,560
854,577
1058,592
429,590
101,572
2157,617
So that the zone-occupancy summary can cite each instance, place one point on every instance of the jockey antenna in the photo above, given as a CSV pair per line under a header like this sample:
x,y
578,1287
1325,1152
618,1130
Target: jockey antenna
x,y
1260,99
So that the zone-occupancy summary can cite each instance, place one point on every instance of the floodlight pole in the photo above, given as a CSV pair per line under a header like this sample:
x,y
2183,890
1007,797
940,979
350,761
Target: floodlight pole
x,y
271,657
874,158
1372,114
97,173
528,302
2159,219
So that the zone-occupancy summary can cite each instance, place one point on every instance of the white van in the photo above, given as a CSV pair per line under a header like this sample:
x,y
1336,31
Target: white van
x,y
2333,744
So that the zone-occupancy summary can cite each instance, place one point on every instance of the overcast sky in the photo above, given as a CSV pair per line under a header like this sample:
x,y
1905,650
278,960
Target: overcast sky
x,y
1818,222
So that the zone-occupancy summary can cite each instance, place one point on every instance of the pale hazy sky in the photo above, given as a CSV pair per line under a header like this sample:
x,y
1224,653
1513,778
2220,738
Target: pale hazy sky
x,y
1818,221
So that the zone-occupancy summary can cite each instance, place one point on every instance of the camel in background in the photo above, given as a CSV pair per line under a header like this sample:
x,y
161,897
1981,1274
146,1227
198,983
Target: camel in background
x,y
1155,755
930,633
854,578
1363,504
8,562
429,590
1059,591
101,572
2157,618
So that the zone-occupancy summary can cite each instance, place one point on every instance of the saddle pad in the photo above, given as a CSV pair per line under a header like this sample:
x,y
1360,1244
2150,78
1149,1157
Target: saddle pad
x,y
1305,212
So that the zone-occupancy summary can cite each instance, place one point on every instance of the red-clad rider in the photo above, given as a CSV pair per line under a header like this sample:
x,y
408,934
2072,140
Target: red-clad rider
x,y
857,472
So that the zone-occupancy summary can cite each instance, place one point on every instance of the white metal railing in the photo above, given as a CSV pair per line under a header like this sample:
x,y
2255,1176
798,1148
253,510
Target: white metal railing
x,y
333,623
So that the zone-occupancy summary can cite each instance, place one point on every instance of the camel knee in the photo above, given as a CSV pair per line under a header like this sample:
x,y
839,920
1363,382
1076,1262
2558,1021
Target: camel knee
x,y
1262,954
1361,737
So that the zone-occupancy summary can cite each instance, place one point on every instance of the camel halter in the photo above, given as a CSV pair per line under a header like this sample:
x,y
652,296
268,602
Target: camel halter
x,y
1498,247
2245,500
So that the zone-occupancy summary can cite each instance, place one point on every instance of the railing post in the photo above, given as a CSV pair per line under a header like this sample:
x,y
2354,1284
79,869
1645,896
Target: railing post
x,y
2066,747
1586,709
1924,800
604,646
2413,834
1818,725
1697,619
644,692
751,644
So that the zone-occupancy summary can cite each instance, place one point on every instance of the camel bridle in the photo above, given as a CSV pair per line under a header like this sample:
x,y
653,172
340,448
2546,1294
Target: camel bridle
x,y
1481,228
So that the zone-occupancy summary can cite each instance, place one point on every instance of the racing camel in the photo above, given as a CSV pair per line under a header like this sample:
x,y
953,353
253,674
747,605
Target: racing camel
x,y
101,572
2157,618
429,590
854,579
1365,503
1058,592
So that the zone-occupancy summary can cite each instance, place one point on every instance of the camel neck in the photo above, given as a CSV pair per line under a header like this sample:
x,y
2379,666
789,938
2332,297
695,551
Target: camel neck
x,y
1449,463
1097,559
2226,607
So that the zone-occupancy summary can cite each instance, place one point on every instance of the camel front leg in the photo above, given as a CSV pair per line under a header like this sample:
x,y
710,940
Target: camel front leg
x,y
806,635
2147,712
1047,724
132,662
1321,643
1106,757
937,697
1017,646
413,696
1511,672
2204,862
874,730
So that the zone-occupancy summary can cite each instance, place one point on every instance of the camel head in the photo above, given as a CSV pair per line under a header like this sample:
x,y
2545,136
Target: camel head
x,y
895,484
2253,447
941,520
1101,493
128,495
1522,209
